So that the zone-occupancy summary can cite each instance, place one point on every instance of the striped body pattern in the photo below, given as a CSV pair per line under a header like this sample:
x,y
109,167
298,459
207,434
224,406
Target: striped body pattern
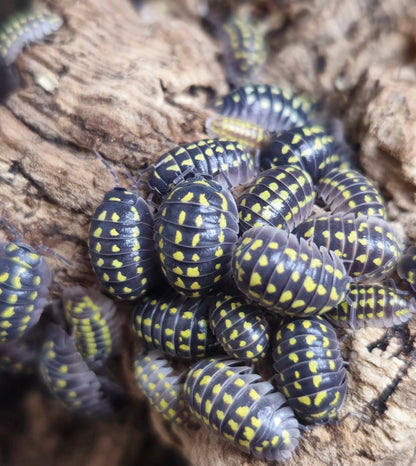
x,y
196,231
250,135
286,274
24,287
308,147
240,327
270,107
368,246
94,322
121,245
373,305
310,370
347,191
22,28
163,388
244,51
226,161
228,397
406,267
282,197
176,325
68,377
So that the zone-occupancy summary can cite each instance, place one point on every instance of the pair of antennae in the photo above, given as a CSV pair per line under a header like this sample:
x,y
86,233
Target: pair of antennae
x,y
135,182
18,237
11,228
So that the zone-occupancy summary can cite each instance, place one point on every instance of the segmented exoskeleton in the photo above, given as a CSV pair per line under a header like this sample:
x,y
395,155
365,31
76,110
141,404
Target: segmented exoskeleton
x,y
228,397
310,369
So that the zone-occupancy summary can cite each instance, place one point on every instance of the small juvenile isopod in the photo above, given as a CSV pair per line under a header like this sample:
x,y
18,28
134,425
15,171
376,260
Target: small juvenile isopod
x,y
250,135
282,197
269,107
310,370
228,162
121,243
286,274
368,246
195,233
244,51
69,378
162,385
228,397
176,325
346,191
94,323
373,305
240,326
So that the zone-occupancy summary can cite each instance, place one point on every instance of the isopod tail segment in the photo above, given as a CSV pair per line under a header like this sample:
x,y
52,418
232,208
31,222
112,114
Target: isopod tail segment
x,y
373,305
163,386
121,243
406,267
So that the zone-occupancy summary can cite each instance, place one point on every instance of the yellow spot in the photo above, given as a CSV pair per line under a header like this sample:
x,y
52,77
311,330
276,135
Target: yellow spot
x,y
286,296
305,400
178,255
309,284
120,276
255,279
178,237
320,397
242,411
233,425
181,217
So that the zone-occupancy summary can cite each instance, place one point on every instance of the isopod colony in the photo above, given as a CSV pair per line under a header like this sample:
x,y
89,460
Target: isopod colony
x,y
257,242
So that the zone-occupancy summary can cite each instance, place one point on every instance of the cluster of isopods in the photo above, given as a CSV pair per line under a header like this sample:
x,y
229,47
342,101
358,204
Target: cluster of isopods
x,y
304,246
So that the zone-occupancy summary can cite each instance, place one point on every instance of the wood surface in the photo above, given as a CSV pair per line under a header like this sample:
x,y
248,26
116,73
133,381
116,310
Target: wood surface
x,y
133,84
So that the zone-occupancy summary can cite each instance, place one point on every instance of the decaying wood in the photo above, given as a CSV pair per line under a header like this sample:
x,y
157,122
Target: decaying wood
x,y
133,85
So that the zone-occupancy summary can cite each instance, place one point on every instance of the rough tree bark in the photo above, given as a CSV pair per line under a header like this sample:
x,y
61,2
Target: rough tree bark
x,y
135,85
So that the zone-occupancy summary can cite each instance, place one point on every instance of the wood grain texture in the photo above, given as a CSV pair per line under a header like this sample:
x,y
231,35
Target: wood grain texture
x,y
132,86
